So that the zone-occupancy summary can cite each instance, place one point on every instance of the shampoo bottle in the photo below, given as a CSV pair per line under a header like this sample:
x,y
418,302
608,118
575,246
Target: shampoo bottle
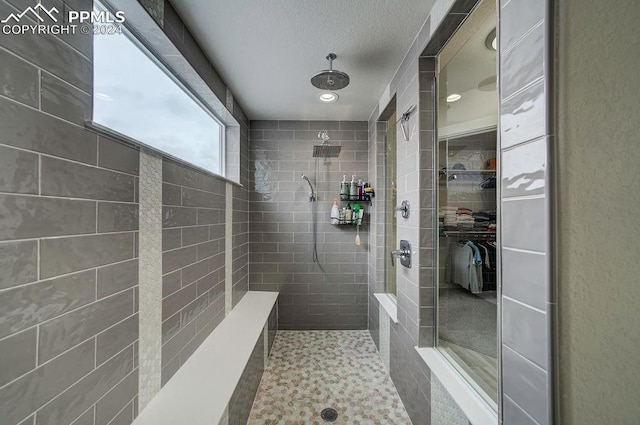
x,y
335,213
347,214
344,189
353,189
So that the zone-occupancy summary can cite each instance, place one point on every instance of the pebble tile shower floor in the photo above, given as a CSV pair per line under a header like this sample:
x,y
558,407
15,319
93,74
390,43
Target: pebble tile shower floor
x,y
309,371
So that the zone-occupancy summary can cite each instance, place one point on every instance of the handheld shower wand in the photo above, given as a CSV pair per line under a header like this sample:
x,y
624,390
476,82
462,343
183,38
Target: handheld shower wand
x,y
314,219
312,195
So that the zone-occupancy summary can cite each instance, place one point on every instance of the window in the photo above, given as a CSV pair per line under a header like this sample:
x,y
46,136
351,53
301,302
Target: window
x,y
136,96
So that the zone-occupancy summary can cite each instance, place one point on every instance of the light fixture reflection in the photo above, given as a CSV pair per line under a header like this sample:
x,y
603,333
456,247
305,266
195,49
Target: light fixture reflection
x,y
454,97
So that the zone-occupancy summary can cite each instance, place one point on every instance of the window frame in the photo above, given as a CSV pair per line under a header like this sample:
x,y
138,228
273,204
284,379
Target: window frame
x,y
150,53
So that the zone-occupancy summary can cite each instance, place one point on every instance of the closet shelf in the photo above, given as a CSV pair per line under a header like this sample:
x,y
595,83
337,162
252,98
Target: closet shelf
x,y
448,233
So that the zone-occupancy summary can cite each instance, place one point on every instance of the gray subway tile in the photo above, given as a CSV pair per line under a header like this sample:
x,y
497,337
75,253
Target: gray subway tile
x,y
117,156
526,385
210,216
525,331
17,355
195,271
63,100
63,178
31,420
66,255
172,348
522,221
192,310
52,54
75,400
126,416
31,217
18,263
84,419
117,399
171,238
171,194
18,79
524,277
293,125
516,18
18,171
64,332
29,305
200,198
524,169
178,216
523,116
32,130
116,339
170,327
171,283
184,176
513,414
178,300
208,249
194,235
178,258
524,63
117,277
114,217
32,391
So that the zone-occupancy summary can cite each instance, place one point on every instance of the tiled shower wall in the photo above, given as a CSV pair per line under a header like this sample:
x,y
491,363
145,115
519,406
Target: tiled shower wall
x,y
68,266
69,294
528,297
330,294
193,261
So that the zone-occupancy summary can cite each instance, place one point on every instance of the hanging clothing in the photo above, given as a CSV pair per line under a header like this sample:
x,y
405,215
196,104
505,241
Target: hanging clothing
x,y
462,267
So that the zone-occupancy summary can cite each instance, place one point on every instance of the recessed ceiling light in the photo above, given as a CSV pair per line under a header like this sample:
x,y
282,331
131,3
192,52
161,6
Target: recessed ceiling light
x,y
454,97
328,97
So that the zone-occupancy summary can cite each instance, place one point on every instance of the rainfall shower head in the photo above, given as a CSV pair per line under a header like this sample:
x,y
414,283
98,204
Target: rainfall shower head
x,y
330,79
325,150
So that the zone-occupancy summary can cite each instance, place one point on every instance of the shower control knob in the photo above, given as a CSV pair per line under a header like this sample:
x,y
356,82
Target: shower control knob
x,y
404,254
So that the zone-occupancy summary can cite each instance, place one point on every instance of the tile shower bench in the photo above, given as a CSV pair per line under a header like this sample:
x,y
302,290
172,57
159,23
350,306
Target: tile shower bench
x,y
204,390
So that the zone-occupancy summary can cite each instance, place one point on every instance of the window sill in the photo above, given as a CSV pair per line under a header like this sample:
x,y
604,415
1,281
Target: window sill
x,y
389,304
472,405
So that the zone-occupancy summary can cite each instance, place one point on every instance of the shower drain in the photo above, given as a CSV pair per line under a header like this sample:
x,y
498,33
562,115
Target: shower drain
x,y
329,414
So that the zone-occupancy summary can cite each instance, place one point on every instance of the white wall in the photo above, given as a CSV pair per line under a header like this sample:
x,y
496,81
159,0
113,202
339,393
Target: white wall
x,y
598,156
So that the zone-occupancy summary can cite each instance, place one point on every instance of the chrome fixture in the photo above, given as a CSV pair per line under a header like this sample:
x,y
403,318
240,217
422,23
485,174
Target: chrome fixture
x,y
325,150
330,79
404,207
404,121
312,195
404,254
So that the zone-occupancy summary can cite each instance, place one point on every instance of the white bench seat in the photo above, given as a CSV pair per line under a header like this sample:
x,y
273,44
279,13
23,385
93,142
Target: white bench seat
x,y
199,392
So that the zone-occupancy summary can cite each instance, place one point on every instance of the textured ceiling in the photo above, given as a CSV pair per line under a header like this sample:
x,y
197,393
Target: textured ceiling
x,y
268,50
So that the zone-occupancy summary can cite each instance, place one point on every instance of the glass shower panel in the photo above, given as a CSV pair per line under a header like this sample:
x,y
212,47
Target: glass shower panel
x,y
467,307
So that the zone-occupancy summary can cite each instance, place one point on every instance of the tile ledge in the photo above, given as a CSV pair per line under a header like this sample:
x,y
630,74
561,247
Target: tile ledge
x,y
472,405
389,304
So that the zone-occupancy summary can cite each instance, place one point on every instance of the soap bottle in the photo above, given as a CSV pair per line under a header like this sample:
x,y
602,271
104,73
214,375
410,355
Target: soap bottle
x,y
344,189
347,214
335,213
360,190
353,189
